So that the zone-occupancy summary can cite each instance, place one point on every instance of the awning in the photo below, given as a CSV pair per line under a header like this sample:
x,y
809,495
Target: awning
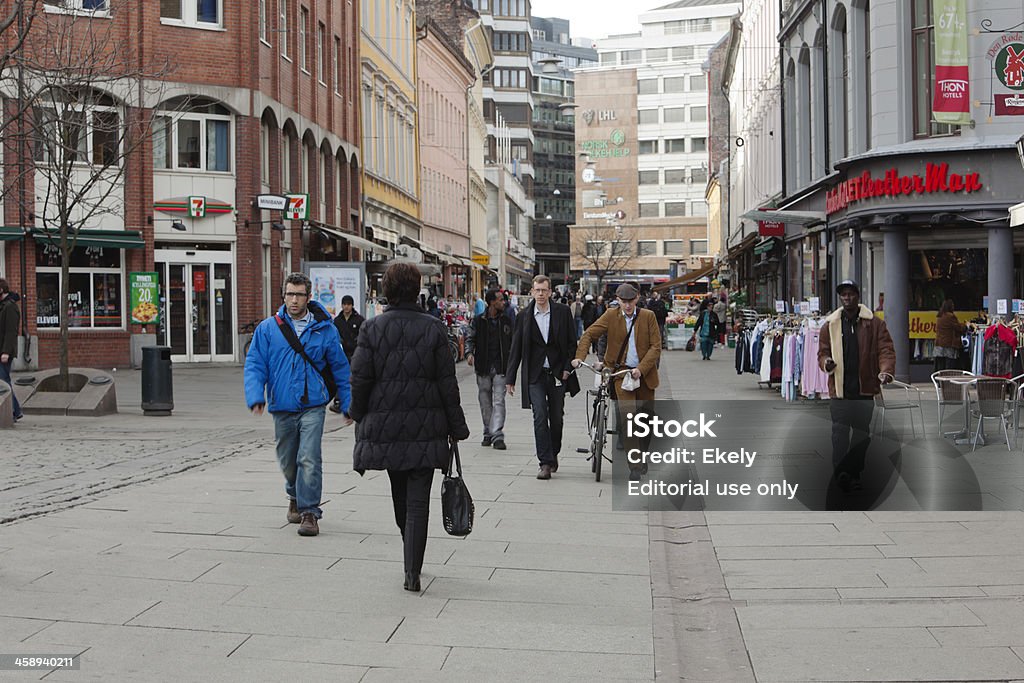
x,y
383,234
111,239
804,218
10,233
765,246
354,240
684,279
744,244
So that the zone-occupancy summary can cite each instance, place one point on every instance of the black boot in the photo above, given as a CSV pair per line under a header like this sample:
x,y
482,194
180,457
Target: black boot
x,y
412,581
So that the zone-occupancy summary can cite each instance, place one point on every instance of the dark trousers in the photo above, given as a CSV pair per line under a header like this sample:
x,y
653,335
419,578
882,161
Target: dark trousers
x,y
548,402
851,420
410,494
5,375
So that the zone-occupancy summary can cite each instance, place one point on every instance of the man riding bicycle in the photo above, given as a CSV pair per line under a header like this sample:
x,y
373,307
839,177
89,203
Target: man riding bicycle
x,y
634,342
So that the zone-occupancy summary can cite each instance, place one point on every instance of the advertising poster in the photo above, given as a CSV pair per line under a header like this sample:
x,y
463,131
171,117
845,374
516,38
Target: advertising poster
x,y
951,101
332,281
144,296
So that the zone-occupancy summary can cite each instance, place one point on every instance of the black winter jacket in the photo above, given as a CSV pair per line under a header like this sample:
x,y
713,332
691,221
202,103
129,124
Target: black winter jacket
x,y
482,336
405,397
348,330
10,316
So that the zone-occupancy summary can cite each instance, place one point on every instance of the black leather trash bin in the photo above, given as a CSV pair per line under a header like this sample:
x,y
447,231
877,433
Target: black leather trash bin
x,y
157,389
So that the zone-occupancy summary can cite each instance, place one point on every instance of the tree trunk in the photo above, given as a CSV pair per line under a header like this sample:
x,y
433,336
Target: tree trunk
x,y
65,276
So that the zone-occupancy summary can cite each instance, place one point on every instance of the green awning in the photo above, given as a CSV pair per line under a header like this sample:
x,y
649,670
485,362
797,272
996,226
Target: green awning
x,y
10,233
111,239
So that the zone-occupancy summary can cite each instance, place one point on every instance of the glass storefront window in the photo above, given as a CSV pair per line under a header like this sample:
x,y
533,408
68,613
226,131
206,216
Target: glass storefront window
x,y
939,274
95,288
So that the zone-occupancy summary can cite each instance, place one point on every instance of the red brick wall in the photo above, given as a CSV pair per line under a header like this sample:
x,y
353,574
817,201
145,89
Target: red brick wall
x,y
86,348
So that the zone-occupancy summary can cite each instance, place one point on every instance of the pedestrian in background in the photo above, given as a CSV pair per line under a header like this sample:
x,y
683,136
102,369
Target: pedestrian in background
x,y
543,341
721,309
479,305
10,318
706,329
660,310
348,322
577,314
948,329
297,387
405,400
488,343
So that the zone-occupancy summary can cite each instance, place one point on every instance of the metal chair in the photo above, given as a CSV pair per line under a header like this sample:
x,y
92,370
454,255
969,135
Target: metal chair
x,y
902,397
996,399
950,392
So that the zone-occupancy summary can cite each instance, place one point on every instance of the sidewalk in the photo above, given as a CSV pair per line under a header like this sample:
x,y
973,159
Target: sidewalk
x,y
197,575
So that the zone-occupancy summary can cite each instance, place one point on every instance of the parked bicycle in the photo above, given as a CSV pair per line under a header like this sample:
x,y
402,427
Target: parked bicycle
x,y
248,329
597,417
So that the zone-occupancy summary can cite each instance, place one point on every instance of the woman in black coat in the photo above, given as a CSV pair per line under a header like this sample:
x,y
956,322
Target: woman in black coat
x,y
405,399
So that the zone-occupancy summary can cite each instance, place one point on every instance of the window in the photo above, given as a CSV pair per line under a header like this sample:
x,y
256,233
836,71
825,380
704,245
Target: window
x,y
675,208
699,208
81,131
199,140
698,114
647,247
698,175
509,8
303,29
687,26
680,54
320,63
675,114
609,58
698,83
77,5
675,84
648,178
648,116
509,78
263,20
698,144
95,288
649,210
655,55
630,56
924,73
205,13
286,162
675,176
508,41
264,153
336,76
672,247
698,247
282,28
675,145
648,146
647,86
621,247
595,248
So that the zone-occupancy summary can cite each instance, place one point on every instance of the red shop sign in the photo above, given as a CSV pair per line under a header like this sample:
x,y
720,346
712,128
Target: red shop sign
x,y
771,229
937,178
199,280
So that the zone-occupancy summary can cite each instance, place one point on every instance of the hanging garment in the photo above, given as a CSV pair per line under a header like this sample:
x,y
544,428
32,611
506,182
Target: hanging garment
x,y
1000,343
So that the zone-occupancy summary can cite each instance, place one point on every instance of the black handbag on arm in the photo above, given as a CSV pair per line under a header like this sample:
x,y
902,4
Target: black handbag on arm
x,y
456,504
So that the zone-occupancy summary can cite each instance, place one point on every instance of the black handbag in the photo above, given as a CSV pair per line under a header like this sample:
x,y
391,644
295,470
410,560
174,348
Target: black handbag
x,y
456,504
691,343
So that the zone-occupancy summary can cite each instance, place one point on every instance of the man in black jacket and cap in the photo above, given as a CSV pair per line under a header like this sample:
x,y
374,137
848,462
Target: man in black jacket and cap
x,y
544,340
10,317
487,348
348,323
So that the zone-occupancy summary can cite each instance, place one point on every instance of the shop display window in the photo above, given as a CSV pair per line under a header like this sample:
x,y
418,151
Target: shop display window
x,y
95,288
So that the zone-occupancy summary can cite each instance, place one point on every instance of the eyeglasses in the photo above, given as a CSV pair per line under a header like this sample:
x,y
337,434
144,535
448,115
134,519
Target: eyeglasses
x,y
297,295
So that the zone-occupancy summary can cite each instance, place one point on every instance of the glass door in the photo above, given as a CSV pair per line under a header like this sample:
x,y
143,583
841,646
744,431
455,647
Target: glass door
x,y
198,311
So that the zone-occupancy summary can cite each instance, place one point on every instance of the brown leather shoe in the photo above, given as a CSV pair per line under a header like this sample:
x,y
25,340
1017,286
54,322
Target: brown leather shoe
x,y
545,472
308,527
293,512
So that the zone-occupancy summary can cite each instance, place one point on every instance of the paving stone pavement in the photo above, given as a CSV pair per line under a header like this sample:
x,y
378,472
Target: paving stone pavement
x,y
197,575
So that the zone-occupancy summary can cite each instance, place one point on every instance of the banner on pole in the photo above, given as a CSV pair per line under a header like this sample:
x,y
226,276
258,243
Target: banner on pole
x,y
951,96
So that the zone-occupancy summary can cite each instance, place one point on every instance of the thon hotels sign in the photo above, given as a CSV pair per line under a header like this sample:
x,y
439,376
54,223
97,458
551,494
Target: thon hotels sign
x,y
937,178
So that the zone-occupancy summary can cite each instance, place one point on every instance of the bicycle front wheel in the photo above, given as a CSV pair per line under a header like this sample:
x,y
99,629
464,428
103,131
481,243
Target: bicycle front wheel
x,y
597,449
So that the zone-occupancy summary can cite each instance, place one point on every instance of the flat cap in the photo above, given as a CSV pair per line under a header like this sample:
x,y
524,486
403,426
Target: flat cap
x,y
626,292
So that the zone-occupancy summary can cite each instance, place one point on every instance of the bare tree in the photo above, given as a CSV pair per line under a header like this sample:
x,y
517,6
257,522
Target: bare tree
x,y
605,251
83,117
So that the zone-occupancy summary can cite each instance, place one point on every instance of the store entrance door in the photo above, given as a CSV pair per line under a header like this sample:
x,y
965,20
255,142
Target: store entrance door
x,y
196,293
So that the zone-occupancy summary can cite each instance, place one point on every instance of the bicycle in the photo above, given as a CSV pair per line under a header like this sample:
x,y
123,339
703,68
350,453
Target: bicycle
x,y
597,417
248,329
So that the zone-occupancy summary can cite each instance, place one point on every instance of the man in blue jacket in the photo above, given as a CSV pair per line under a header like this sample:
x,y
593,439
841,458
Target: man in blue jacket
x,y
297,389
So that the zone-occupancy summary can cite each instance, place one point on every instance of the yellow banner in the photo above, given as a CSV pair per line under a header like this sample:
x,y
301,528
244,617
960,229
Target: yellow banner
x,y
922,323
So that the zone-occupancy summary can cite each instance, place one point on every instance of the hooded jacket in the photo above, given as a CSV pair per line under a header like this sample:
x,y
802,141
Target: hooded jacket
x,y
275,374
10,317
876,351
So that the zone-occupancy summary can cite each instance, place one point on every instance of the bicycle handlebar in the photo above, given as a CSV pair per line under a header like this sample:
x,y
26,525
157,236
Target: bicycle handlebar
x,y
604,370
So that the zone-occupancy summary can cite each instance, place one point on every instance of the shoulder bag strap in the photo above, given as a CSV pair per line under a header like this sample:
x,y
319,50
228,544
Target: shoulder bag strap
x,y
293,341
625,344
454,448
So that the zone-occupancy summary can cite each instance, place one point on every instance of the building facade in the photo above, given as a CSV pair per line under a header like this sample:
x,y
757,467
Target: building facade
x,y
554,57
879,191
260,98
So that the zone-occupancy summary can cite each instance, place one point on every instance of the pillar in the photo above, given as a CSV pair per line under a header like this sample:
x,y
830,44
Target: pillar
x,y
897,300
1000,267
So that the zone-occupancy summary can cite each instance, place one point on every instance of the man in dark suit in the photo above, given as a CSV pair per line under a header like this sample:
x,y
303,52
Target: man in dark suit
x,y
543,341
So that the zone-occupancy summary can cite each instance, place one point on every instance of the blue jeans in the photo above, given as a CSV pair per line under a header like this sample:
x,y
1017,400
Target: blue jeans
x,y
5,375
298,453
579,327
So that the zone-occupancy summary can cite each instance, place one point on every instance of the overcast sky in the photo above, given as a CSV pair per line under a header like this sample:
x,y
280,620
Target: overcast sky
x,y
595,18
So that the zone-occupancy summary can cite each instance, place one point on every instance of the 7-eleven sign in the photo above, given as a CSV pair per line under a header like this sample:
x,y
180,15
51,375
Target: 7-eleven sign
x,y
197,207
297,208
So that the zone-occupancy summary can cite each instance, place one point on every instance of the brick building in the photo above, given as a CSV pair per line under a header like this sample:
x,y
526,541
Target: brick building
x,y
260,98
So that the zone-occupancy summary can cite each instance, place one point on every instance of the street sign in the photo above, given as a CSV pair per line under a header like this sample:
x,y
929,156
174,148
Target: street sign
x,y
197,207
274,202
297,208
482,259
